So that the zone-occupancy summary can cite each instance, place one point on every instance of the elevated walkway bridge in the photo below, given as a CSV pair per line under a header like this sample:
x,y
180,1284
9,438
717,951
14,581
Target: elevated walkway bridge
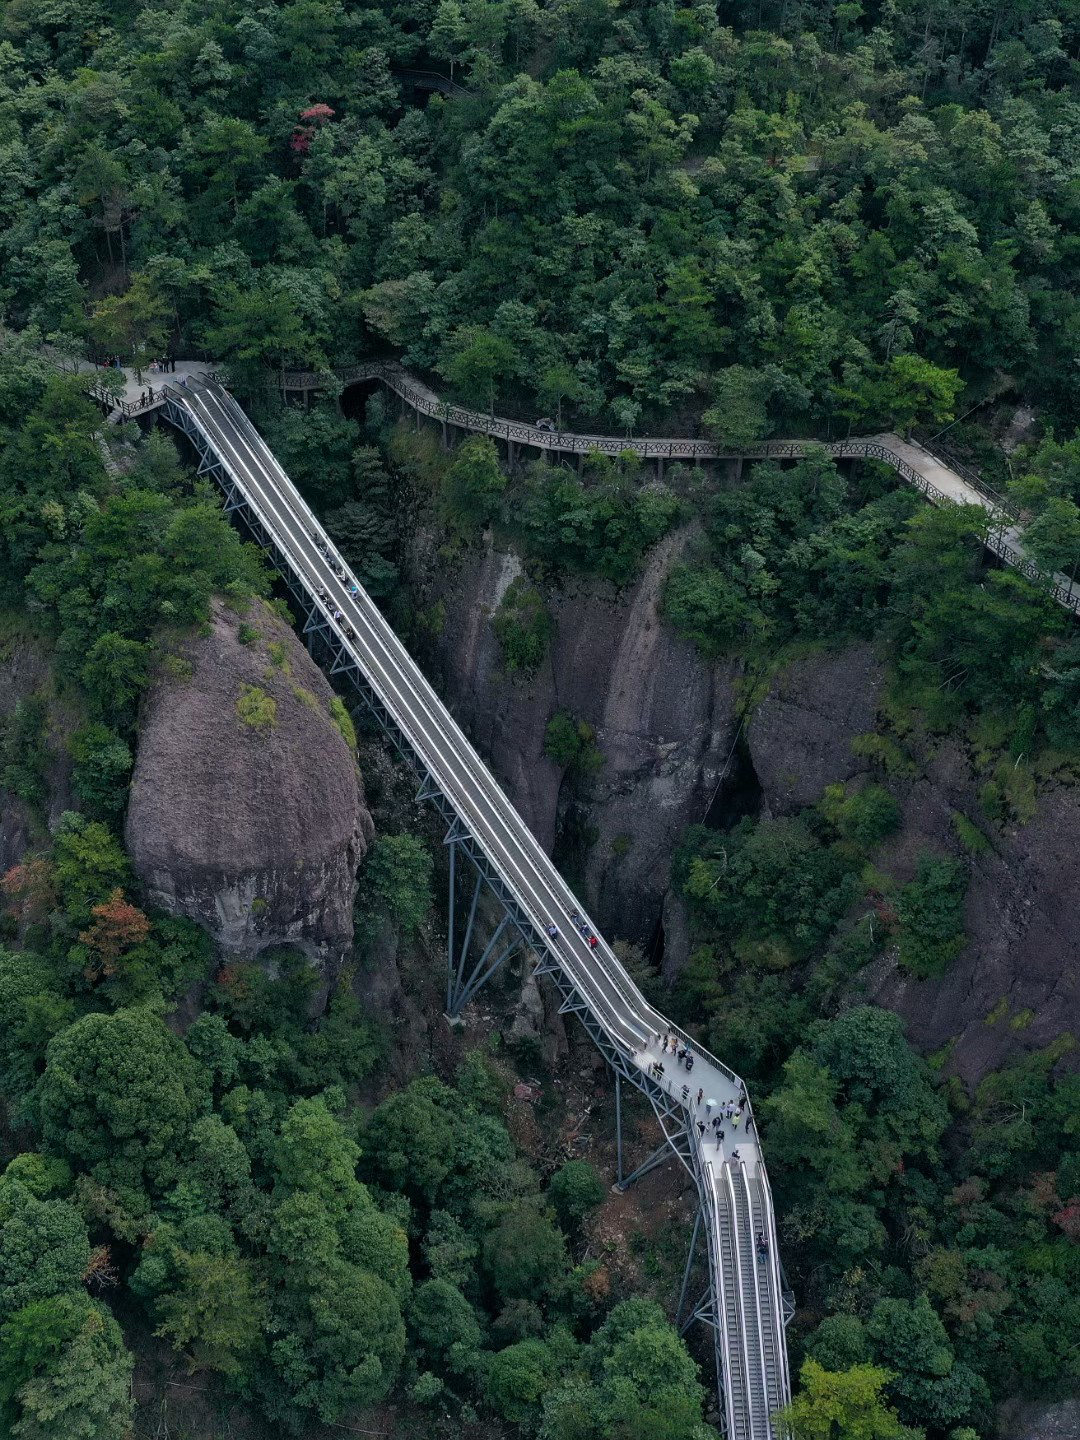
x,y
939,479
742,1299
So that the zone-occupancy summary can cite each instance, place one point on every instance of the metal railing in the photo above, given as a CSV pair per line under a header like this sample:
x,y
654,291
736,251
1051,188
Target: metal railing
x,y
999,508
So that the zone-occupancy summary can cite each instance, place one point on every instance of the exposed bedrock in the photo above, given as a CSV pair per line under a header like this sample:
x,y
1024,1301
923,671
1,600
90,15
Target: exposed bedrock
x,y
247,811
799,736
664,721
1017,982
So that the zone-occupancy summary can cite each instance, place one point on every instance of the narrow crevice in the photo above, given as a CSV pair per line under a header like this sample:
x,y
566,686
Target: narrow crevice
x,y
740,793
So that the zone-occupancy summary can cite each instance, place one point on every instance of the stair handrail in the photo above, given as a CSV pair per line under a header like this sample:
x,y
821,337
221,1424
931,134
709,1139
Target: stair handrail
x,y
739,1297
710,1193
777,1287
757,1297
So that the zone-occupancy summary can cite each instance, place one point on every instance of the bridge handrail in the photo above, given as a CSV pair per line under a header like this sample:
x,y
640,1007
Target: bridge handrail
x,y
777,1287
757,1289
446,84
709,1194
737,1256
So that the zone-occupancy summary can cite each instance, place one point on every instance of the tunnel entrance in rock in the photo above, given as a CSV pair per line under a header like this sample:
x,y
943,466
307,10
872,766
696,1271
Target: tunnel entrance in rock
x,y
739,794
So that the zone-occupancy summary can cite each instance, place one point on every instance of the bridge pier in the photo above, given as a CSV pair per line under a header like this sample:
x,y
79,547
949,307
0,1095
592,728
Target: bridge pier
x,y
686,1273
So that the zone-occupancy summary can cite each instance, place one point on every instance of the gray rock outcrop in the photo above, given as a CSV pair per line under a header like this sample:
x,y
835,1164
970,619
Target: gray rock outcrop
x,y
664,722
250,820
1017,982
800,735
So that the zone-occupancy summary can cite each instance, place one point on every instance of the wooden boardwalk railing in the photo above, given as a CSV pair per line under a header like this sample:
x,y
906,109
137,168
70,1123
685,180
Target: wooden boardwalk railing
x,y
938,479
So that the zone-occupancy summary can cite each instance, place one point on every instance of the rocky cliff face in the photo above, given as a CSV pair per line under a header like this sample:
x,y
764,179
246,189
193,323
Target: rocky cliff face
x,y
799,736
667,725
247,811
1017,983
664,722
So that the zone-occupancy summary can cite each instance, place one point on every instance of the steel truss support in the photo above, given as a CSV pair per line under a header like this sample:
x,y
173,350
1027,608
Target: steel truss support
x,y
459,988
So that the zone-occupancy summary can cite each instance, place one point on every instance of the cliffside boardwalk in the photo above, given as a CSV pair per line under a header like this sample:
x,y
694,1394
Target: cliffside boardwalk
x,y
937,478
742,1298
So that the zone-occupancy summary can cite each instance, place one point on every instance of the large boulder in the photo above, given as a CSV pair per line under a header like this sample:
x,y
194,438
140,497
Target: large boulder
x,y
247,811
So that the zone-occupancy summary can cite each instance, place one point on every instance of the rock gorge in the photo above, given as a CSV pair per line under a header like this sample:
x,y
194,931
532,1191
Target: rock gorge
x,y
683,740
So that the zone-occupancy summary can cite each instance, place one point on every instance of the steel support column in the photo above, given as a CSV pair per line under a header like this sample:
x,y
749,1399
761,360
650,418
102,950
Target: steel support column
x,y
618,1129
689,1266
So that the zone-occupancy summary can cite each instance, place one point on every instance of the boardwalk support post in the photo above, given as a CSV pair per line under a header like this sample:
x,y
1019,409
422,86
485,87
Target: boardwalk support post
x,y
659,1155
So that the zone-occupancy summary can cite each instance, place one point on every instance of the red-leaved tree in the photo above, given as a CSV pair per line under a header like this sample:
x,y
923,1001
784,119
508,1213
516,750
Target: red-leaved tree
x,y
313,117
30,890
118,926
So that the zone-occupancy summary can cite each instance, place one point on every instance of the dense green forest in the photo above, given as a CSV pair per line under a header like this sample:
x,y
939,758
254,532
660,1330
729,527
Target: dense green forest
x,y
743,219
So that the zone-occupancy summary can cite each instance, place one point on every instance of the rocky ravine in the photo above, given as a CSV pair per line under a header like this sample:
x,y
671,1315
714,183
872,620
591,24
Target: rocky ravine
x,y
666,723
255,830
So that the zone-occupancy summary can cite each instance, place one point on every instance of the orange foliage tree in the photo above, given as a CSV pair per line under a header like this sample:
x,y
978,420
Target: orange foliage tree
x,y
118,926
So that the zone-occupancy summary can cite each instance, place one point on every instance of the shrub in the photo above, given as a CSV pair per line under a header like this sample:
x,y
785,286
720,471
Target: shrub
x,y
398,877
102,768
572,744
575,1191
931,912
256,708
344,722
522,627
865,817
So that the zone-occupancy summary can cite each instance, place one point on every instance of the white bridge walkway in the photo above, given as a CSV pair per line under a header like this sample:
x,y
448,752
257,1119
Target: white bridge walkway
x,y
743,1301
938,479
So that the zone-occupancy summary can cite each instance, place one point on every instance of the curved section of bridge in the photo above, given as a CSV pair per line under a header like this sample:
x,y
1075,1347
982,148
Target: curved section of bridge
x,y
743,1300
938,479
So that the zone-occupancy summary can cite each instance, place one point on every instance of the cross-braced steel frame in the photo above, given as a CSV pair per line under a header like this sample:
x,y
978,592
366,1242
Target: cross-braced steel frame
x,y
515,931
